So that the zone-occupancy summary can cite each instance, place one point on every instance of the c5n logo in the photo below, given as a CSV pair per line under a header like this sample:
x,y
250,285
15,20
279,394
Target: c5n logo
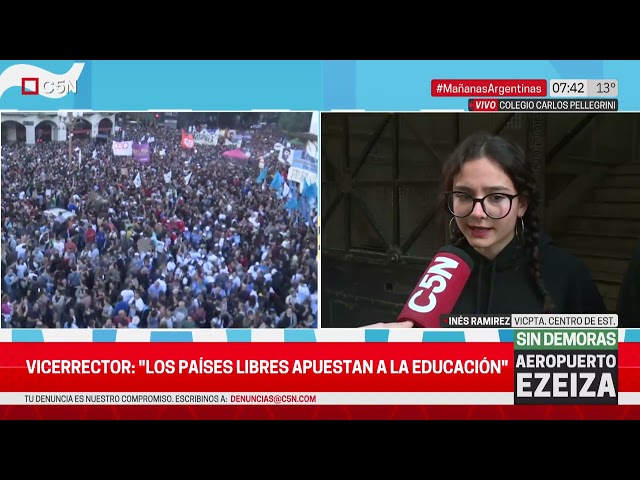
x,y
38,81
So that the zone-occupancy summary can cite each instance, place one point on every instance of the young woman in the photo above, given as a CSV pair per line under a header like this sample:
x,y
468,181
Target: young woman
x,y
629,298
493,200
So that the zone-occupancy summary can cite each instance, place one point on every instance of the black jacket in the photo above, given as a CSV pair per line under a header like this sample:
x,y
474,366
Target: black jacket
x,y
629,297
504,286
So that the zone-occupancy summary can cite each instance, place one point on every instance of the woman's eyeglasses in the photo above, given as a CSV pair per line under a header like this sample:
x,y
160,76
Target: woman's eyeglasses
x,y
495,205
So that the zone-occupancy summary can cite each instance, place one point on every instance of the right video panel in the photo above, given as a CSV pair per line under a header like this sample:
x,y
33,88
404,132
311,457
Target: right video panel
x,y
545,204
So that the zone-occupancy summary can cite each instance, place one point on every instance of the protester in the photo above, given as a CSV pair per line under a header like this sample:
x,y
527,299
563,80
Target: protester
x,y
187,239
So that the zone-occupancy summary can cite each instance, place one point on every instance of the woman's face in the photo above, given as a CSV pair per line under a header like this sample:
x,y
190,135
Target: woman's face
x,y
487,235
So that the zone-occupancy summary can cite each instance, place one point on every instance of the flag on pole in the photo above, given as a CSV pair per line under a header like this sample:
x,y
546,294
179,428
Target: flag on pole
x,y
277,181
77,149
292,204
286,190
310,190
262,176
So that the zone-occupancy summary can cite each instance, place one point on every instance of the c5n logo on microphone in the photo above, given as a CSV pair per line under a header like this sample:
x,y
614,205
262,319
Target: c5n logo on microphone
x,y
433,283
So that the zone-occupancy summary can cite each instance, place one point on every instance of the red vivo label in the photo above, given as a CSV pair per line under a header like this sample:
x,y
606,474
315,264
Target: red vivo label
x,y
257,367
484,105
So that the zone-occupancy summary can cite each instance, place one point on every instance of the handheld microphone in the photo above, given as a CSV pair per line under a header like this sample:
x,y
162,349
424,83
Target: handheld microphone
x,y
439,288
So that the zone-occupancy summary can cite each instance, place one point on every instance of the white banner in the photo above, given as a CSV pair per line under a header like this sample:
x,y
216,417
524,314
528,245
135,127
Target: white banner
x,y
267,398
205,138
123,149
299,174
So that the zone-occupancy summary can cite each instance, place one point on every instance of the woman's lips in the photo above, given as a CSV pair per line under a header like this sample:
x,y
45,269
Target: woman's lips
x,y
479,232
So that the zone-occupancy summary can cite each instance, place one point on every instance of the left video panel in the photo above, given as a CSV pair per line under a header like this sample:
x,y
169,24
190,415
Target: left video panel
x,y
159,220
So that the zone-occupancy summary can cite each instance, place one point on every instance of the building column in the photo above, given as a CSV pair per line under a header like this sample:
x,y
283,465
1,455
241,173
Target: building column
x,y
62,132
31,134
94,126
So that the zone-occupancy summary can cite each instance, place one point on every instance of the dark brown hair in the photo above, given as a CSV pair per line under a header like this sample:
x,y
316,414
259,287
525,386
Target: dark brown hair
x,y
512,160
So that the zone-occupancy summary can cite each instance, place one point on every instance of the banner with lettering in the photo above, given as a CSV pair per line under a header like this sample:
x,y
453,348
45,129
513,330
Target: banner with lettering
x,y
142,152
122,149
303,167
205,137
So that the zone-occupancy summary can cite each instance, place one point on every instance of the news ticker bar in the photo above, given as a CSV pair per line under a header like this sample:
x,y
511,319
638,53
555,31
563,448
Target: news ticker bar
x,y
546,366
543,105
529,321
272,399
569,88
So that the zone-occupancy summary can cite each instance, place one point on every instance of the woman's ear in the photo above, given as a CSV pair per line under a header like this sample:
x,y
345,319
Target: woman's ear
x,y
523,204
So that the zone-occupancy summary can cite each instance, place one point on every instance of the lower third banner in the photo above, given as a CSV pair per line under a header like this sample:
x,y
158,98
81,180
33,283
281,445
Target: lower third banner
x,y
265,373
387,374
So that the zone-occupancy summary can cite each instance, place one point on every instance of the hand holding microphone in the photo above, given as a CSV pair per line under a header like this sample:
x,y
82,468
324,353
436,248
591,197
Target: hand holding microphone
x,y
439,289
406,324
437,292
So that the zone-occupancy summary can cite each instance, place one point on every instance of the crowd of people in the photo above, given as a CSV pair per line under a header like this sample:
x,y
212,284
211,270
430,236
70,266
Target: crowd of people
x,y
188,240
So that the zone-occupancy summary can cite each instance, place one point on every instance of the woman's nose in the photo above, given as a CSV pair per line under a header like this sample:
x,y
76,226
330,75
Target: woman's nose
x,y
478,210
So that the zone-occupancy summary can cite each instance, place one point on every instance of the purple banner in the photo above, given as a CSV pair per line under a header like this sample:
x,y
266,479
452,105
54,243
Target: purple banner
x,y
141,152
